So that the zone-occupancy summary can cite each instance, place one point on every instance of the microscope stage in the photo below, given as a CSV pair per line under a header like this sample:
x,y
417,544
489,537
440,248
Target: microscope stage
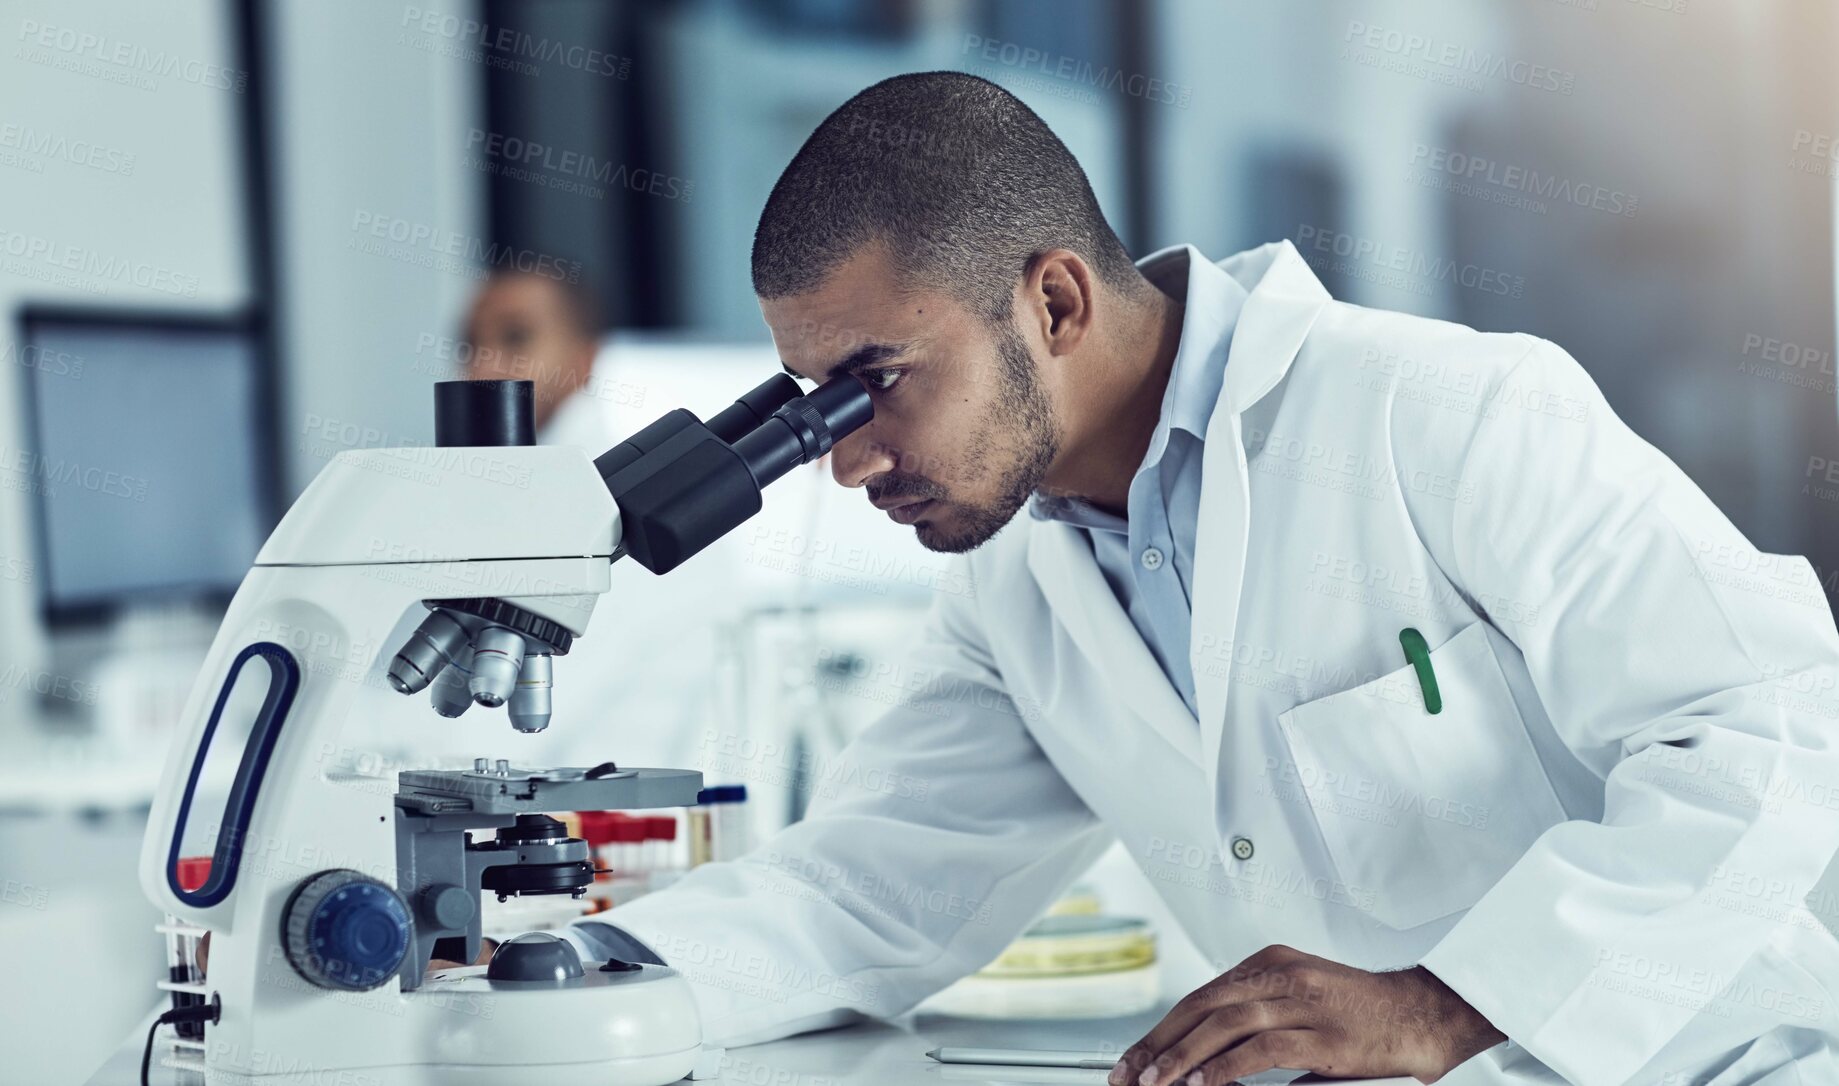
x,y
511,790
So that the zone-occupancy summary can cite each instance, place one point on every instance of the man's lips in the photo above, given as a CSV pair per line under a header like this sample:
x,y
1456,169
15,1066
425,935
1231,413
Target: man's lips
x,y
903,510
912,511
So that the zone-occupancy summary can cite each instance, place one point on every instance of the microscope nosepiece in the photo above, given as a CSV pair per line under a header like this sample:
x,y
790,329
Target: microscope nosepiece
x,y
429,649
529,706
498,657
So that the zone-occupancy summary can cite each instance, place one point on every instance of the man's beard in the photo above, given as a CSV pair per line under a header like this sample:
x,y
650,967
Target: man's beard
x,y
1021,412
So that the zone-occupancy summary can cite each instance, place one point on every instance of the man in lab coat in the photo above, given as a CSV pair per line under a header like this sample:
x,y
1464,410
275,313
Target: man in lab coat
x,y
1450,718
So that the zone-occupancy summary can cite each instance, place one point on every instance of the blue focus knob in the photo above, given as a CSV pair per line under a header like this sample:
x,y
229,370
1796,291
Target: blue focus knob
x,y
343,929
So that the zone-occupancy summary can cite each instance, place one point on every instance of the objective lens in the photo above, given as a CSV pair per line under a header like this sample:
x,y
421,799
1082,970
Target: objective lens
x,y
498,657
529,706
449,694
428,650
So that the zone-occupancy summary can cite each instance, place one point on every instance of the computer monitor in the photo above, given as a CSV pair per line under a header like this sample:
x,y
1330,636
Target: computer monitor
x,y
149,456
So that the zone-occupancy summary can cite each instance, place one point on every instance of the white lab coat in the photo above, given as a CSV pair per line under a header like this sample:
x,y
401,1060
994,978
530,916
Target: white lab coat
x,y
1603,841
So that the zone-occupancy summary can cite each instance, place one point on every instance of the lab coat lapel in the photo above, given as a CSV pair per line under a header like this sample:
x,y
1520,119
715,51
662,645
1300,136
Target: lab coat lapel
x,y
1278,314
1114,651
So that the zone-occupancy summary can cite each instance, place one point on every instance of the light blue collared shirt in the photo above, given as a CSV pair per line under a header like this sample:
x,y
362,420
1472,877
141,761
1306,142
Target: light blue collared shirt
x,y
1147,556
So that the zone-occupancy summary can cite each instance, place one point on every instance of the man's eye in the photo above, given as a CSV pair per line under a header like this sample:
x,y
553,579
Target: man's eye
x,y
882,380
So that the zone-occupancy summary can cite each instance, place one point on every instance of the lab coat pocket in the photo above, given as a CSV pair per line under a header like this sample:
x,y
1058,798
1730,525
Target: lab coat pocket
x,y
1423,812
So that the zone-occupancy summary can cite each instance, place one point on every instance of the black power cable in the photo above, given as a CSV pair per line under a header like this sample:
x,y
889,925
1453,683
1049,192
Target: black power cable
x,y
200,1012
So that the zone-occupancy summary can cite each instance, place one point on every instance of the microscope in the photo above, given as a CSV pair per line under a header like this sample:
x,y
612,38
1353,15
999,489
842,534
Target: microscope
x,y
463,570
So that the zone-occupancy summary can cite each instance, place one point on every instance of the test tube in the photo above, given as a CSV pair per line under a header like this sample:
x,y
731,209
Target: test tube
x,y
726,829
663,842
628,844
182,947
697,832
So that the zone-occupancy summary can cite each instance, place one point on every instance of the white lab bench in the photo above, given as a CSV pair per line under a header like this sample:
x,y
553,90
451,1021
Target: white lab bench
x,y
884,1053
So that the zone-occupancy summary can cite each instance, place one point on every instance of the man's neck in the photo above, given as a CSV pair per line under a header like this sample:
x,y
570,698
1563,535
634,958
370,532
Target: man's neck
x,y
1116,405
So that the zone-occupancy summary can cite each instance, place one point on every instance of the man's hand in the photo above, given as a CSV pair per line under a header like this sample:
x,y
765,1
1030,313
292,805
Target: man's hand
x,y
1284,1008
486,946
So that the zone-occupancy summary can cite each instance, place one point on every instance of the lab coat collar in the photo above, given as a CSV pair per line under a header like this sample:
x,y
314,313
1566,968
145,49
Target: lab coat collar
x,y
1282,305
1212,301
1286,298
1289,297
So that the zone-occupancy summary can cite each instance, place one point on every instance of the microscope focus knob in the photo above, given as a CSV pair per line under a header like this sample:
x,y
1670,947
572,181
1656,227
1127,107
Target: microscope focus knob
x,y
448,907
344,930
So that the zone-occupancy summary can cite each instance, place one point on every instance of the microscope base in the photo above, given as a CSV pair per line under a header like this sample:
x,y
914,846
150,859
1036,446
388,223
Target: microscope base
x,y
637,1028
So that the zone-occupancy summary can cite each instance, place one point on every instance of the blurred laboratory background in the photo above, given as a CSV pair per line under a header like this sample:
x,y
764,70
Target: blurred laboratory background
x,y
238,237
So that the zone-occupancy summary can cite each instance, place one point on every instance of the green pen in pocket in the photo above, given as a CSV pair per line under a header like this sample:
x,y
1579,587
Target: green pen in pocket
x,y
1417,651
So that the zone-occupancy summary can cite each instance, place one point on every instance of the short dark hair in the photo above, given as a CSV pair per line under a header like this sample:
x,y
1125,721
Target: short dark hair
x,y
962,182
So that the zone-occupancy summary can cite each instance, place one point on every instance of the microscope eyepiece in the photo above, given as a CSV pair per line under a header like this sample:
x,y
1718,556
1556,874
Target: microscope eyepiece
x,y
754,407
469,413
681,485
805,428
843,402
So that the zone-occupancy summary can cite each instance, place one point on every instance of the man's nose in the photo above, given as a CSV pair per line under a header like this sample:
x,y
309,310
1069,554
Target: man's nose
x,y
859,457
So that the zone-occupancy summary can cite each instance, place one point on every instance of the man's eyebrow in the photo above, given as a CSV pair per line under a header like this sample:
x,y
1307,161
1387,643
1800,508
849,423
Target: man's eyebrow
x,y
861,358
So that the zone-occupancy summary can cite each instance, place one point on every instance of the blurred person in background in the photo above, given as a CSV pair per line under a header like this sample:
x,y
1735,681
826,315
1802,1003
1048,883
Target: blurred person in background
x,y
527,327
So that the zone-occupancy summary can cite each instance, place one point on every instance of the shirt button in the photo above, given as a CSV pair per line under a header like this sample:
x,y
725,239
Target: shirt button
x,y
1242,848
1152,558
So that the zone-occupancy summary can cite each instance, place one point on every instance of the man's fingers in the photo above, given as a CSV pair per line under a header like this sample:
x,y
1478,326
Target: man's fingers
x,y
1295,1049
1242,984
1181,1021
1245,981
1262,976
486,948
1178,1023
1218,1032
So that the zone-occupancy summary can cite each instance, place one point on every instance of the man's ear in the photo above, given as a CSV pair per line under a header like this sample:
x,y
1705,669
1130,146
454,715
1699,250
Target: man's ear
x,y
1058,293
